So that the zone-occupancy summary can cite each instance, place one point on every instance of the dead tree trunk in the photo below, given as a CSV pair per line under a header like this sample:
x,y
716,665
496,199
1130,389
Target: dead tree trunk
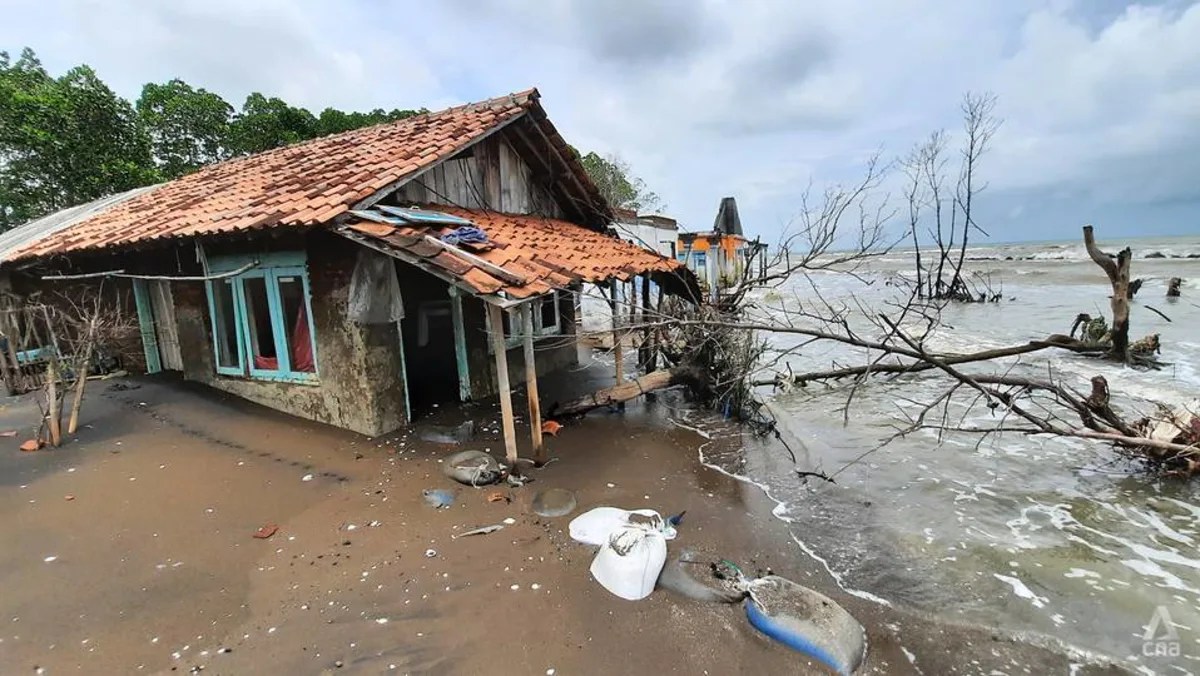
x,y
1117,270
81,374
53,403
630,389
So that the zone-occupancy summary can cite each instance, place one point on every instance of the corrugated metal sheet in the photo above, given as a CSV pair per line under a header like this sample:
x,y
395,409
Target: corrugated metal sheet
x,y
33,232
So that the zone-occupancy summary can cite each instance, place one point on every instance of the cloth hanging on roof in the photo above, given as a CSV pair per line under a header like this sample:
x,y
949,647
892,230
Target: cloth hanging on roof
x,y
374,290
467,234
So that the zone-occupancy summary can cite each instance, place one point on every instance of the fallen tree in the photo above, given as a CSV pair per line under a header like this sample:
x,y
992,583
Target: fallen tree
x,y
741,341
688,375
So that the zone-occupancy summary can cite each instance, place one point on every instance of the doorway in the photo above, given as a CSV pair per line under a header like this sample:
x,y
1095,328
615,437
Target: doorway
x,y
429,341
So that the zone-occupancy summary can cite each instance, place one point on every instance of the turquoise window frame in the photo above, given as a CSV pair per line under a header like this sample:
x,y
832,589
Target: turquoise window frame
x,y
270,268
234,286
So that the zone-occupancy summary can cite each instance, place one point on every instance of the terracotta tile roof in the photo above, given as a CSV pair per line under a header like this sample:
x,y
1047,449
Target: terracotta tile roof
x,y
540,254
299,185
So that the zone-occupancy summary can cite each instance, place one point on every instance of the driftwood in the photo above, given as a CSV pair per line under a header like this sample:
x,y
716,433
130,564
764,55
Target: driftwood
x,y
630,389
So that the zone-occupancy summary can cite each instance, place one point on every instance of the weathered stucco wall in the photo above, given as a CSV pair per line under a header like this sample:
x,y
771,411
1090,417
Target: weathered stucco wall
x,y
358,367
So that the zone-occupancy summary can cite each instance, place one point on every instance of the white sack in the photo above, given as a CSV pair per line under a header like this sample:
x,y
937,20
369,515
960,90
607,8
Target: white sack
x,y
628,564
594,526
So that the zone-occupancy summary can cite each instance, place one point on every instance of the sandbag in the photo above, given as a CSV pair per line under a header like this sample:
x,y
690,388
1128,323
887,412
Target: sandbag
x,y
628,564
678,577
474,468
807,621
594,526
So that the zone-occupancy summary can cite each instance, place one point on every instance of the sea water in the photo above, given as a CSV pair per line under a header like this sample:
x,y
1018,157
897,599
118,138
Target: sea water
x,y
1061,541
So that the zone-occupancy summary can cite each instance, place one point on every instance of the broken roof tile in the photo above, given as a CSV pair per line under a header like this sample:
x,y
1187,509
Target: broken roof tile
x,y
548,253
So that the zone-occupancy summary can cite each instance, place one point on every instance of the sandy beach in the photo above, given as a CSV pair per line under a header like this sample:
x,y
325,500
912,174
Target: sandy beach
x,y
131,550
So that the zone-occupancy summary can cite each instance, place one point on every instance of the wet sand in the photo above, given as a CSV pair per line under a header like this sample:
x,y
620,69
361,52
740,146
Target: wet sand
x,y
156,569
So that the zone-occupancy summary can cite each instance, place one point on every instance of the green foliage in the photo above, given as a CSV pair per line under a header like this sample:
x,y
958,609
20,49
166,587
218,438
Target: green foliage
x,y
267,123
333,121
188,127
71,140
64,141
617,183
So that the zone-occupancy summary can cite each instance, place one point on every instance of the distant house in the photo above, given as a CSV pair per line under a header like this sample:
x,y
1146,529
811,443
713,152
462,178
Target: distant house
x,y
357,279
720,257
654,232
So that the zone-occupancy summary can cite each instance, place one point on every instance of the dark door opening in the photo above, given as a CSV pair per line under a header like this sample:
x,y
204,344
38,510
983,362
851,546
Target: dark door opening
x,y
428,328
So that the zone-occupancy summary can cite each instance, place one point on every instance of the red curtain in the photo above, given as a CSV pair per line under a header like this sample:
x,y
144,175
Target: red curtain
x,y
302,353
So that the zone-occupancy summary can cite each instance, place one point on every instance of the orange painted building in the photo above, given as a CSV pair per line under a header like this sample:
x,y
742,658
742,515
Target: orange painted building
x,y
722,257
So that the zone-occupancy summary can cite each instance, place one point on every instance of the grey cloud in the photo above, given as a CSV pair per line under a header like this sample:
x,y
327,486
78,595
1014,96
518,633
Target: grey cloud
x,y
636,33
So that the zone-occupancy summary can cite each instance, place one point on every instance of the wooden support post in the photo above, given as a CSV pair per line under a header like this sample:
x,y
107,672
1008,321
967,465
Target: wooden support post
x,y
631,296
645,347
496,319
460,345
618,350
531,386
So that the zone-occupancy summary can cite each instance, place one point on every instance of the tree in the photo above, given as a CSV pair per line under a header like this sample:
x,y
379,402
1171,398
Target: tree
x,y
21,135
267,123
334,121
64,141
188,127
945,211
619,187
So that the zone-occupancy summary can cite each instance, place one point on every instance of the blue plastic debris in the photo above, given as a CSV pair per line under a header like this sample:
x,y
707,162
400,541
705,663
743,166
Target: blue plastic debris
x,y
438,498
467,234
806,621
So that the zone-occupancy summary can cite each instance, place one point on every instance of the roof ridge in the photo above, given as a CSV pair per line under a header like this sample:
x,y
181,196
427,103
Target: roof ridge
x,y
521,99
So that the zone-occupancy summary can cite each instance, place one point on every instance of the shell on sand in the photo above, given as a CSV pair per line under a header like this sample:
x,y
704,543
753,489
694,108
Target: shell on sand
x,y
553,502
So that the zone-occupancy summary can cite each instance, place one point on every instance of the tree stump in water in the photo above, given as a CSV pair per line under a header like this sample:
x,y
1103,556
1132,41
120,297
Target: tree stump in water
x,y
1173,287
1117,270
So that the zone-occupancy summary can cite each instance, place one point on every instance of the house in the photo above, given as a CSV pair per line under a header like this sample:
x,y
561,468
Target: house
x,y
357,279
721,257
655,232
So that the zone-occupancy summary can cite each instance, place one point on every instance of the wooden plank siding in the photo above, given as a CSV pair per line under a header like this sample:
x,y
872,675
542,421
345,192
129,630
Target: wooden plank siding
x,y
491,175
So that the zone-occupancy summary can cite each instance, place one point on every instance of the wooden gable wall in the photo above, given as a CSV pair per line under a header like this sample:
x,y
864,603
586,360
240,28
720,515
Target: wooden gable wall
x,y
489,175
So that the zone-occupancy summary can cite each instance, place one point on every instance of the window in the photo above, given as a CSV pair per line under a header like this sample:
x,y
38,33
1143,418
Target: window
x,y
260,317
432,313
547,320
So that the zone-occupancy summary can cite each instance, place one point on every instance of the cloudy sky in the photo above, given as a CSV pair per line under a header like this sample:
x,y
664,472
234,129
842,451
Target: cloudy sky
x,y
1100,99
